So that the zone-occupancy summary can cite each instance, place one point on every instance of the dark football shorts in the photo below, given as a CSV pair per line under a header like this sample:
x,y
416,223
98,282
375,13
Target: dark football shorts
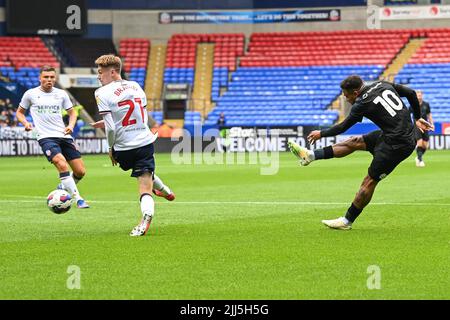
x,y
141,160
385,156
425,136
52,146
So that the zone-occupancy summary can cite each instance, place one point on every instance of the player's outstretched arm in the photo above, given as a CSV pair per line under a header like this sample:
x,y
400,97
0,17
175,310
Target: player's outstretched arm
x,y
98,124
20,115
334,130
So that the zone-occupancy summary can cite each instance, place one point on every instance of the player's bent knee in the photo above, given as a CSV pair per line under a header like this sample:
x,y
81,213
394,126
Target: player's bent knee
x,y
80,172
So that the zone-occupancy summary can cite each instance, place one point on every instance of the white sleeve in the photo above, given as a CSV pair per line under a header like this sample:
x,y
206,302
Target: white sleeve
x,y
110,129
25,103
144,99
67,104
102,104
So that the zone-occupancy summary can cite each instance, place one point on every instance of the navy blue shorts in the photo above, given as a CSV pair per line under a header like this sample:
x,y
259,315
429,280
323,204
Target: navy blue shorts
x,y
141,160
52,146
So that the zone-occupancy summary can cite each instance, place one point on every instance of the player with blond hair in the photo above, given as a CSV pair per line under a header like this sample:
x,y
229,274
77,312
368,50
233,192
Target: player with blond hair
x,y
122,104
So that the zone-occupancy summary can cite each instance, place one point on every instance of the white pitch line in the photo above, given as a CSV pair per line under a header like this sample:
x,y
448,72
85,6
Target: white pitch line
x,y
292,203
20,196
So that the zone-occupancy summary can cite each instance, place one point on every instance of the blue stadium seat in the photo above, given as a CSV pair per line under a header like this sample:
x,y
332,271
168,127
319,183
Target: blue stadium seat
x,y
282,96
432,80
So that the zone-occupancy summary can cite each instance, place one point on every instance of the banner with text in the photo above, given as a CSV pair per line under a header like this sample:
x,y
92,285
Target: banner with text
x,y
250,16
414,12
31,147
235,139
241,139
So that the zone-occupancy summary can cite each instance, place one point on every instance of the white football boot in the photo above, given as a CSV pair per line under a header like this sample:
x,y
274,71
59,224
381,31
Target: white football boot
x,y
142,228
306,156
338,223
417,162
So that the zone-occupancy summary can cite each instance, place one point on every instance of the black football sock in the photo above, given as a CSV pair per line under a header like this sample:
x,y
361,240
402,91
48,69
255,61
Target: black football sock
x,y
325,153
420,151
76,178
352,213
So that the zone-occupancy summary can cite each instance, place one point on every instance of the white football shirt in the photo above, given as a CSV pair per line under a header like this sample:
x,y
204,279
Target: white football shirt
x,y
126,101
45,109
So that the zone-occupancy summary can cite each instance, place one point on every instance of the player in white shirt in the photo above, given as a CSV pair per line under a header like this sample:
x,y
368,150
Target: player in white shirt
x,y
159,188
122,105
46,104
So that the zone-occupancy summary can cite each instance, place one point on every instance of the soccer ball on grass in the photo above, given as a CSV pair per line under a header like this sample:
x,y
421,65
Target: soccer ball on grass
x,y
59,201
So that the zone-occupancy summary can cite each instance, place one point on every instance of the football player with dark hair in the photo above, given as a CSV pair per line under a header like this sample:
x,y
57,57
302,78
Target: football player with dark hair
x,y
380,102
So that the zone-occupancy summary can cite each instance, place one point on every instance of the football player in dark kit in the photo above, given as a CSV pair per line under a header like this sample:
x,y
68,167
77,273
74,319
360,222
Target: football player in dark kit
x,y
422,137
380,102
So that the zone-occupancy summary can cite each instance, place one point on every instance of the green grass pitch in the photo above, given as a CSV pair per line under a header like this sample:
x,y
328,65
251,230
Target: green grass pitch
x,y
232,233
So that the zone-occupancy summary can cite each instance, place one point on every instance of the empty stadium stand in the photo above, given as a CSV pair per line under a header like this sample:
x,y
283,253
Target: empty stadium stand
x,y
181,58
429,70
20,65
279,79
135,54
157,116
181,53
290,79
191,117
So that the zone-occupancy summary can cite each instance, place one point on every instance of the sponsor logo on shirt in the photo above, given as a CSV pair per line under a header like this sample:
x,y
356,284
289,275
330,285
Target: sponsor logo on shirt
x,y
55,109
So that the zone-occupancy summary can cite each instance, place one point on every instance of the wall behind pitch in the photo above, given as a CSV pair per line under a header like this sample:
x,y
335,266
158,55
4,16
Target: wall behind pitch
x,y
217,4
145,24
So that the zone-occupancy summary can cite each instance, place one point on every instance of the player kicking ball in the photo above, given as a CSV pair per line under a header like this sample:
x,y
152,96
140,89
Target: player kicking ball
x,y
122,105
159,188
380,102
